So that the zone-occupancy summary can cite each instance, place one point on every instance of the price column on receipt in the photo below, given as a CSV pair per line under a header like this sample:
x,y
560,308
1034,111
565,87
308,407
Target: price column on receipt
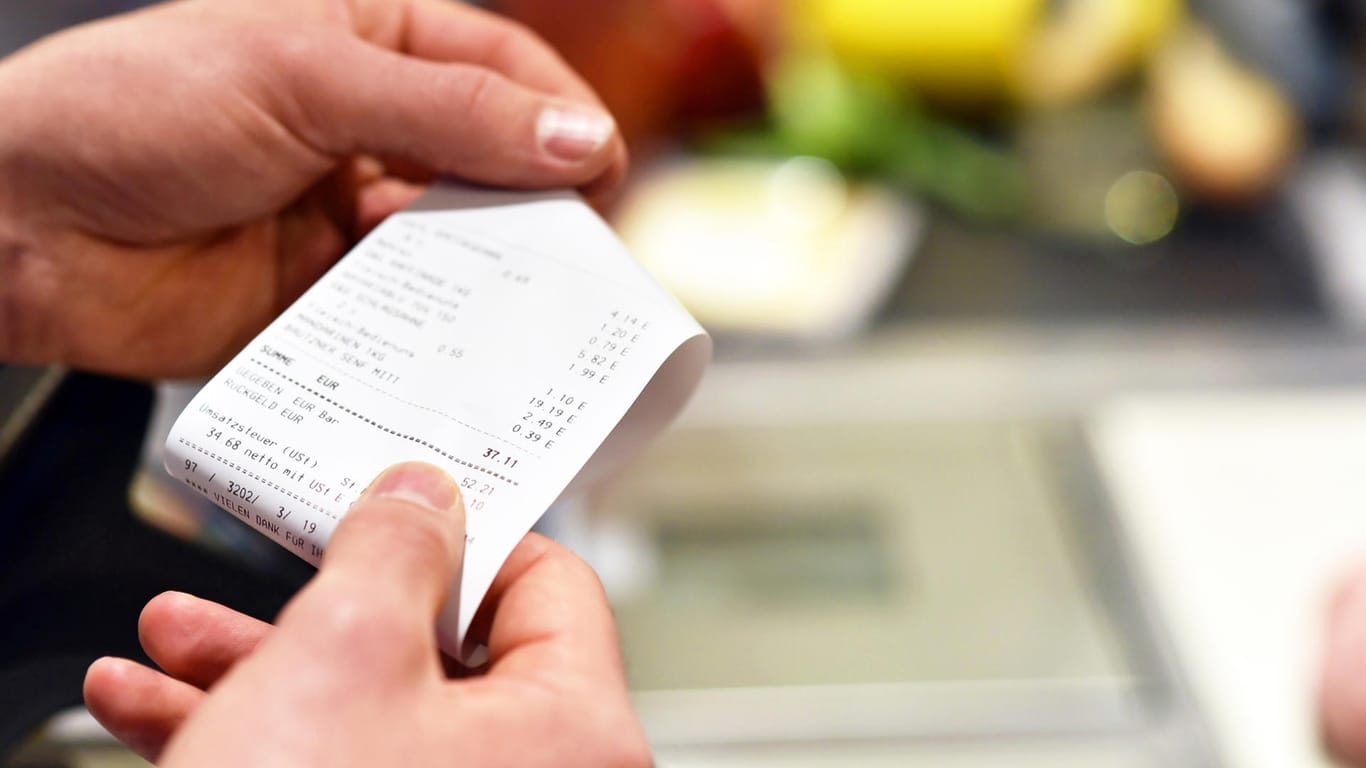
x,y
506,337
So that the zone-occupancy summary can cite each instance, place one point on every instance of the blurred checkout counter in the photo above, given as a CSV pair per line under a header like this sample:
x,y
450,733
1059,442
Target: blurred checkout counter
x,y
1036,430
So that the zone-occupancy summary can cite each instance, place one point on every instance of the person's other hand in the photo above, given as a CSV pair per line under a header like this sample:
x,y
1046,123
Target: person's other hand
x,y
350,674
171,179
1342,705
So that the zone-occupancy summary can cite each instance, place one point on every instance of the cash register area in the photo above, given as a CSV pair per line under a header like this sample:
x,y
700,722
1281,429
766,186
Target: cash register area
x,y
1036,433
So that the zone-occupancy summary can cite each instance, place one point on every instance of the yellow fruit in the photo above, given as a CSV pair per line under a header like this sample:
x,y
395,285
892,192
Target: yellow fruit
x,y
959,49
982,50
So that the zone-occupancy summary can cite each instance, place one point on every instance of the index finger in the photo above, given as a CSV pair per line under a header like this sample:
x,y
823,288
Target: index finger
x,y
551,620
440,30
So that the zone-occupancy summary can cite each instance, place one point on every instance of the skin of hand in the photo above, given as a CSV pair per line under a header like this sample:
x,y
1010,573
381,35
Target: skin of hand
x,y
350,674
1342,691
173,178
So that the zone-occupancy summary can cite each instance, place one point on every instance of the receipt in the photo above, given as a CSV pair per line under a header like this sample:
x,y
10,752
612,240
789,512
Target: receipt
x,y
507,337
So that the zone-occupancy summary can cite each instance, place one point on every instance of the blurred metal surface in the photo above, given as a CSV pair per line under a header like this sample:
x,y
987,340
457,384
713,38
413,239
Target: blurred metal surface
x,y
943,592
1329,195
900,551
1253,265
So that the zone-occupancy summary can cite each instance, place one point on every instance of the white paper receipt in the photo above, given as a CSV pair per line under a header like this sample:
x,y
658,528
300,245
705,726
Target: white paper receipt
x,y
506,337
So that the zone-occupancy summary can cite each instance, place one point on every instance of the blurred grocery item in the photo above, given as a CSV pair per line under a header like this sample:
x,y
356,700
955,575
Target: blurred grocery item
x,y
819,107
1082,46
787,248
664,64
958,50
975,51
1228,133
822,107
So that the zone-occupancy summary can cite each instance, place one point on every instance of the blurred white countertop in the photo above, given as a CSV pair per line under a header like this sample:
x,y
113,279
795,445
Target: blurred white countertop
x,y
1242,511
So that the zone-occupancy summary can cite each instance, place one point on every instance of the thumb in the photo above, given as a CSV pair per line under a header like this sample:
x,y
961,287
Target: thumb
x,y
387,569
405,535
459,119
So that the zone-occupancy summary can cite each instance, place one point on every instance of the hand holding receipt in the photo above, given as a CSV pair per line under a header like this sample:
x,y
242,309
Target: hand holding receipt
x,y
508,338
174,179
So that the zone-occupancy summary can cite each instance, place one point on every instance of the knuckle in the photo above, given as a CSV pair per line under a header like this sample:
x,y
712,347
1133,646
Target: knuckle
x,y
360,626
476,89
290,69
281,52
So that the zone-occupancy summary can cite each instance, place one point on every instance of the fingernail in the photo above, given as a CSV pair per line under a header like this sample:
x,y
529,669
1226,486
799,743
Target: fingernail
x,y
419,483
573,132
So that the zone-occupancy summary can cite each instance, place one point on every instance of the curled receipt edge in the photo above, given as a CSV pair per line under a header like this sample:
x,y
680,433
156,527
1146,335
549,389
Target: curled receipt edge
x,y
508,337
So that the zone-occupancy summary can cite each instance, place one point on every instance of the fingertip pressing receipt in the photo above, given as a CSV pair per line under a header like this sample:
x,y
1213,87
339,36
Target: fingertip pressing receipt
x,y
507,337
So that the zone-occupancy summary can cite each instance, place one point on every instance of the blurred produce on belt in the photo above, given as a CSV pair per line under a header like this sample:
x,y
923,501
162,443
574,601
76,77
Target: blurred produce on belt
x,y
1228,132
792,155
662,65
930,96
